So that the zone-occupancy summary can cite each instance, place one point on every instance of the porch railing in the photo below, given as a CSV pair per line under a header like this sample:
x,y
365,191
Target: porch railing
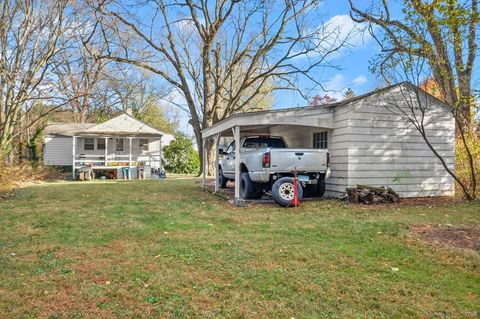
x,y
99,160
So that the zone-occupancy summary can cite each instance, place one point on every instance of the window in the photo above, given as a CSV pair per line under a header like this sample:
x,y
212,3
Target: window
x,y
320,140
264,142
119,145
230,148
143,144
100,143
89,144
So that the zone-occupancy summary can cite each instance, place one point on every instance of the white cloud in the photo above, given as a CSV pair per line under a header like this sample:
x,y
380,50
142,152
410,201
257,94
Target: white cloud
x,y
337,86
359,80
341,28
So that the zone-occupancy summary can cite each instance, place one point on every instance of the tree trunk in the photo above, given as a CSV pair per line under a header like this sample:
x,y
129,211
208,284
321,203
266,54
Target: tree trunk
x,y
211,157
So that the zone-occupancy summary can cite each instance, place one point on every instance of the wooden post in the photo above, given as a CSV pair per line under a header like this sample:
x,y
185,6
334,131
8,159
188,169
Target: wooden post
x,y
204,165
236,134
217,142
129,157
73,156
160,154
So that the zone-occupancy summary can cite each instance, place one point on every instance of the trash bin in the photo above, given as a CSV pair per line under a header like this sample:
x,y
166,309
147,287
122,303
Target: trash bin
x,y
126,172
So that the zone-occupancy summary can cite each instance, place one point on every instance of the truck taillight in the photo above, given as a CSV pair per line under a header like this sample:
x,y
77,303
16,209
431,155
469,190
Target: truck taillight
x,y
328,159
266,159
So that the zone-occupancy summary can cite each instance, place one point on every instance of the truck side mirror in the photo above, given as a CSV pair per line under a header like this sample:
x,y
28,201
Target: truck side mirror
x,y
220,151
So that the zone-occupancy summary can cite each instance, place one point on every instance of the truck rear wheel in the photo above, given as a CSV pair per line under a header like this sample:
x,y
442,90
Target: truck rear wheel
x,y
283,191
247,187
315,190
321,186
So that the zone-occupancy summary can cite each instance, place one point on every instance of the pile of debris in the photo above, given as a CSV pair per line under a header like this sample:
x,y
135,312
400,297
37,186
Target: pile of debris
x,y
365,194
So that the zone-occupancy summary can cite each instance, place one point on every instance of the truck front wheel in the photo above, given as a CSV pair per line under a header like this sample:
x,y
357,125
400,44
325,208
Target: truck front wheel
x,y
247,187
222,181
283,191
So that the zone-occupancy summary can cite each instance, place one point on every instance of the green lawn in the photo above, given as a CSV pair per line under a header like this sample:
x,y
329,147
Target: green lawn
x,y
167,249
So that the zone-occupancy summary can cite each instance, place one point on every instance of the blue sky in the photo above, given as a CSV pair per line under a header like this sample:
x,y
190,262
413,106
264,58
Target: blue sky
x,y
352,62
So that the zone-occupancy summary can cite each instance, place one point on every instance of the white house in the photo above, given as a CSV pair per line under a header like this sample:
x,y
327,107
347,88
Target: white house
x,y
120,142
369,139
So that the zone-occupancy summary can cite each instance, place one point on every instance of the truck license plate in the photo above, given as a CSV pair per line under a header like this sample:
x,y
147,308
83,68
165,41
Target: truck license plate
x,y
303,178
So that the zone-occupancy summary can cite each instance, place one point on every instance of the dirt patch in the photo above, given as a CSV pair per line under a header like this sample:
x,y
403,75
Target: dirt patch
x,y
428,202
460,237
229,193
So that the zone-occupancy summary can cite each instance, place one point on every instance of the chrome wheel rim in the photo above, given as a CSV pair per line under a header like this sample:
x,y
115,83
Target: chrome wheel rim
x,y
286,191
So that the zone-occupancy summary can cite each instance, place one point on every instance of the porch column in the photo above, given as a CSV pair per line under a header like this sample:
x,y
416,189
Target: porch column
x,y
236,134
74,138
204,164
160,154
217,142
129,158
106,151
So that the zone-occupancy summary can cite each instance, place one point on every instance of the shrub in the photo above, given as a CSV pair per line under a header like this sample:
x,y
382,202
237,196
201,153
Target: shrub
x,y
8,178
13,175
180,156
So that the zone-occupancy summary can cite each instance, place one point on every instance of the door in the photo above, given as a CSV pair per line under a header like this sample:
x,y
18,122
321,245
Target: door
x,y
228,166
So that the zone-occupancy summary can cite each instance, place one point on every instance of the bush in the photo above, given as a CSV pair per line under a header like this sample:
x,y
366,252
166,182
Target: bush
x,y
8,178
13,175
180,156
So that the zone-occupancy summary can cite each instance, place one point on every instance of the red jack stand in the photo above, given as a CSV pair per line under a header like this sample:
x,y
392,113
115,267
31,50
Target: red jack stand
x,y
295,201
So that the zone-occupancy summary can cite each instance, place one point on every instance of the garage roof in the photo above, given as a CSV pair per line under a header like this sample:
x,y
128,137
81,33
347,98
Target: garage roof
x,y
314,116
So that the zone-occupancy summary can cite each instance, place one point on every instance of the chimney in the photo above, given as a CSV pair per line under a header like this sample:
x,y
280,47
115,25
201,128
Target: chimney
x,y
129,111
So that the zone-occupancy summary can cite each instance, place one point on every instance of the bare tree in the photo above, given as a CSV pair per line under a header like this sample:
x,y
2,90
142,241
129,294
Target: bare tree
x,y
221,55
80,75
442,33
432,40
419,109
29,36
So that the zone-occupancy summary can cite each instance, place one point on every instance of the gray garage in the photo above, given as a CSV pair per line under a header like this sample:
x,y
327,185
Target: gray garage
x,y
369,139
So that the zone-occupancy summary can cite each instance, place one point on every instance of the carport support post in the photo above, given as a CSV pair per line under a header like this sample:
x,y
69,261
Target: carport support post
x,y
204,164
160,155
74,139
217,142
236,134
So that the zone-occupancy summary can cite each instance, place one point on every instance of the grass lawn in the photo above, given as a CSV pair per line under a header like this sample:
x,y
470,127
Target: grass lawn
x,y
148,249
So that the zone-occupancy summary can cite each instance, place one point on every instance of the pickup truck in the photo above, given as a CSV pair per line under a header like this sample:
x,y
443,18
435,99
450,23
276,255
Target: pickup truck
x,y
267,165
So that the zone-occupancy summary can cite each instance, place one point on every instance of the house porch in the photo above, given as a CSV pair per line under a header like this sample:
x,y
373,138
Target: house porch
x,y
123,157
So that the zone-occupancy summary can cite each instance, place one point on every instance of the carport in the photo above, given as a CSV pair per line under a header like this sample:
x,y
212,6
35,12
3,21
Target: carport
x,y
368,142
261,123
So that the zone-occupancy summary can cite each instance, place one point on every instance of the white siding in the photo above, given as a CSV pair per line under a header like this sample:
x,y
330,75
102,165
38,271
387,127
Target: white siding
x,y
372,143
338,180
295,136
57,150
384,149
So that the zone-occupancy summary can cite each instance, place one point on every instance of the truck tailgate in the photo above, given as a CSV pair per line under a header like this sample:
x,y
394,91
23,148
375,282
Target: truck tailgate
x,y
301,159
